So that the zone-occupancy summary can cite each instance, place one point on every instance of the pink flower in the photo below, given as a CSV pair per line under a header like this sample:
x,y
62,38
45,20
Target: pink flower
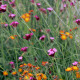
x,y
51,38
48,30
20,58
50,9
61,9
63,0
74,16
43,10
37,17
12,64
54,49
77,21
14,24
64,5
69,0
6,25
12,3
42,37
38,4
75,63
28,36
24,49
51,52
3,8
32,78
72,4
32,1
12,16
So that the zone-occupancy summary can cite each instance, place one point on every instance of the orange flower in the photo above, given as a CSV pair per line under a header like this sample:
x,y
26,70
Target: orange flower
x,y
27,15
21,65
77,75
75,28
44,63
70,36
29,65
68,69
25,71
3,23
20,78
20,69
61,32
14,73
15,35
32,30
27,19
29,74
26,77
23,16
31,11
63,37
39,74
75,68
67,33
44,76
5,73
37,68
12,37
39,78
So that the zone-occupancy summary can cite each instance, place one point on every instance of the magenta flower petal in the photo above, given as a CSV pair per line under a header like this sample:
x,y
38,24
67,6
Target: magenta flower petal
x,y
75,63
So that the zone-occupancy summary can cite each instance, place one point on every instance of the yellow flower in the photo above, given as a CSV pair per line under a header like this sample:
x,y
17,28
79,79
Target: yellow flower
x,y
37,68
24,64
67,33
27,15
5,73
27,19
68,69
63,37
29,74
44,76
26,77
75,68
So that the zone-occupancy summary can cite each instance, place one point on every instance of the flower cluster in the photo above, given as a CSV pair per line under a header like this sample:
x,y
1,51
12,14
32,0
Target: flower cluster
x,y
64,35
26,72
26,17
75,67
